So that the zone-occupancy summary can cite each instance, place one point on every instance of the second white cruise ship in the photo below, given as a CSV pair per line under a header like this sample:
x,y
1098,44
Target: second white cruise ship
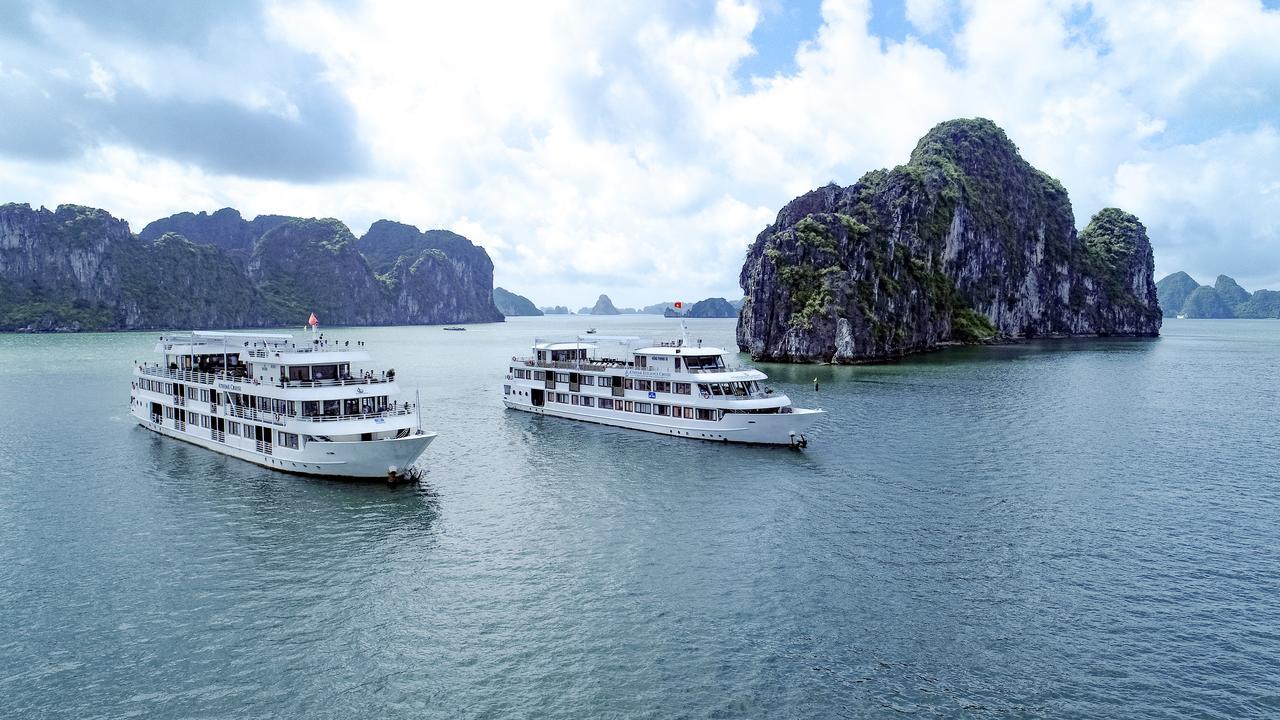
x,y
301,407
668,388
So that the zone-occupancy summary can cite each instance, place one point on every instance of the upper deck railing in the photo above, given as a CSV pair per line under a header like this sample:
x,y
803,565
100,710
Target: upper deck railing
x,y
603,365
206,378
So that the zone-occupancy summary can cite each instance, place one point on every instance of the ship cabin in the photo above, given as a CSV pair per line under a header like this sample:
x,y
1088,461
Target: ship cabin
x,y
650,372
263,375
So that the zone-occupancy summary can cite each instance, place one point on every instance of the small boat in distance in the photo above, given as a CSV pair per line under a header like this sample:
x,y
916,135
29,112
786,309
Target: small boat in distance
x,y
666,387
301,407
455,328
591,331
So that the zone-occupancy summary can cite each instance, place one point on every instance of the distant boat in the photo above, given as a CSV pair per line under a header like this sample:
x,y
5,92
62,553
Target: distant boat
x,y
591,331
455,328
1182,316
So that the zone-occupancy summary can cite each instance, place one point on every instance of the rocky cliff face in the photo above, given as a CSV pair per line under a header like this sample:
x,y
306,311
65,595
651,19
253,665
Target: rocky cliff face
x,y
79,268
224,229
436,276
965,242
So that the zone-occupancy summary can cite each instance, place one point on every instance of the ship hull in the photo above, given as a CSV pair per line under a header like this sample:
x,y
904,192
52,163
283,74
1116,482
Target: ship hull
x,y
747,428
370,459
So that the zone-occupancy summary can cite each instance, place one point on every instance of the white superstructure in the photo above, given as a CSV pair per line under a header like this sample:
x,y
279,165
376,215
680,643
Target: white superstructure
x,y
667,388
302,407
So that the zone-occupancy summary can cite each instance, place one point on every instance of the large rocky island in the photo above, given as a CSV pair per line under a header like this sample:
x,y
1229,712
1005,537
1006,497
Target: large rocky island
x,y
79,268
966,242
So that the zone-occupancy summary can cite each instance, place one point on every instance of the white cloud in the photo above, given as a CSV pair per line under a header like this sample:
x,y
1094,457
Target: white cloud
x,y
611,148
929,16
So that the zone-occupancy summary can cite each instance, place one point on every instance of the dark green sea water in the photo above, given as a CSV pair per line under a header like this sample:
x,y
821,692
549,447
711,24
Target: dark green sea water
x,y
1055,529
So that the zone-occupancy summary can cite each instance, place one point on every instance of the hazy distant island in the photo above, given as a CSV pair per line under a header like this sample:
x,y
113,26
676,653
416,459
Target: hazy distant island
x,y
966,242
513,305
79,268
1181,295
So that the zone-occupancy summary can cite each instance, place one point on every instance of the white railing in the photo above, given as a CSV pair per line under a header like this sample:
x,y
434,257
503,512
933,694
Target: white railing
x,y
244,413
212,378
275,350
604,366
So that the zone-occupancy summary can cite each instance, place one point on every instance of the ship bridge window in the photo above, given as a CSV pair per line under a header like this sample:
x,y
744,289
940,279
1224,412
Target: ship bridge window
x,y
704,362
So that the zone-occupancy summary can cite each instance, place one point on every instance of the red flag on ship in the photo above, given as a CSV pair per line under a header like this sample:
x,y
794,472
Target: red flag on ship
x,y
312,321
678,304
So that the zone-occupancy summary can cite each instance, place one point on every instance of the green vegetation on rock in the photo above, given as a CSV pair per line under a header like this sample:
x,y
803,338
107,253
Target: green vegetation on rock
x,y
965,242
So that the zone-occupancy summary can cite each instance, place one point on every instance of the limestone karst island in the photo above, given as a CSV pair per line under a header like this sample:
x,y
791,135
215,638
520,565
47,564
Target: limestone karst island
x,y
965,242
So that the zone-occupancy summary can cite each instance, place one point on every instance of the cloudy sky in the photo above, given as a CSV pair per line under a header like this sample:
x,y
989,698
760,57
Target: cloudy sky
x,y
637,148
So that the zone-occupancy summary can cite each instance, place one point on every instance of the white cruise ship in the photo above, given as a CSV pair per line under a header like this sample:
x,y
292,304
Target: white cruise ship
x,y
667,388
301,407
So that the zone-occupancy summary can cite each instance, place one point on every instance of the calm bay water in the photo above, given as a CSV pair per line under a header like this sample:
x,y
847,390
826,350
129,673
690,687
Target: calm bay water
x,y
1057,529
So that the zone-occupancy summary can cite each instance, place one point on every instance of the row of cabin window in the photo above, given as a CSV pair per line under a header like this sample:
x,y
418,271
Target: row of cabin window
x,y
283,439
155,386
310,408
662,386
643,408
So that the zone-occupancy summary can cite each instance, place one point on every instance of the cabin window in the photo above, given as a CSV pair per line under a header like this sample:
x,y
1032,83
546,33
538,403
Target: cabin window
x,y
310,408
539,375
662,386
627,406
324,372
289,440
643,408
562,398
588,401
688,413
605,404
204,421
233,428
506,389
663,410
627,383
279,407
333,407
588,379
350,406
677,362
702,388
705,414
248,431
573,400
682,388
645,385
300,372
642,361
